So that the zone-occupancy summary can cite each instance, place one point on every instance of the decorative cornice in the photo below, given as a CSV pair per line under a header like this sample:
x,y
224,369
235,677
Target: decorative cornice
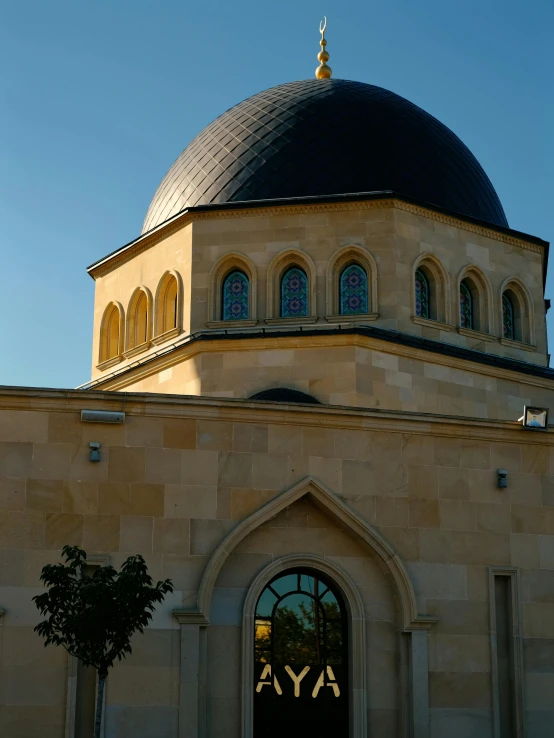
x,y
233,410
398,344
253,210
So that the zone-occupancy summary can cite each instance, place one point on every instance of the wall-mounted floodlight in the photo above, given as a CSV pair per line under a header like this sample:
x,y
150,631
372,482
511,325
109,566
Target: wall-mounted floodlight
x,y
535,418
102,416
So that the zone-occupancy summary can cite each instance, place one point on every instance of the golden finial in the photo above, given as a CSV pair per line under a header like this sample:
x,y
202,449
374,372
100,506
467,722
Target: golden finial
x,y
323,71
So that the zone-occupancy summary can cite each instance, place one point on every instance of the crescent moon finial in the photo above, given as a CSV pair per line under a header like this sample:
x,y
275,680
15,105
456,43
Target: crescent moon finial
x,y
323,71
323,26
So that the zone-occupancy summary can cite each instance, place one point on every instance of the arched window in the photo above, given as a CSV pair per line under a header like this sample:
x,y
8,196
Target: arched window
x,y
294,293
110,334
508,325
466,306
422,301
141,320
235,298
138,319
168,307
301,657
353,298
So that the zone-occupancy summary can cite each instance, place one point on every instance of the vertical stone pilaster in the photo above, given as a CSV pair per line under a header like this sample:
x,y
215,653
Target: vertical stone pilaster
x,y
192,691
419,684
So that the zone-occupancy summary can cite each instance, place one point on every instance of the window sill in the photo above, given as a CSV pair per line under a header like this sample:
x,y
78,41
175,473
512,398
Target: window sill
x,y
430,323
231,323
136,350
163,337
470,333
292,321
103,365
352,318
517,344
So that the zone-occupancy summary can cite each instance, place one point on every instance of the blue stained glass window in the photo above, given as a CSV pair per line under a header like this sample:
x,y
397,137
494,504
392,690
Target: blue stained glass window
x,y
235,297
507,318
466,306
294,294
421,295
353,291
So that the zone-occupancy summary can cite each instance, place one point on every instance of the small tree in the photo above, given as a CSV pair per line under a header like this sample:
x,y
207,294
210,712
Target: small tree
x,y
94,617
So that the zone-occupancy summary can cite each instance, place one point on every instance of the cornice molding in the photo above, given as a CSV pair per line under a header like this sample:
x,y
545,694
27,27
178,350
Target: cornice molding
x,y
325,340
333,417
143,243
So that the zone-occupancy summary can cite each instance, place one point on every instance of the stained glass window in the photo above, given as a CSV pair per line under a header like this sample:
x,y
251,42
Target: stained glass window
x,y
353,291
421,295
466,306
294,294
300,658
507,317
235,296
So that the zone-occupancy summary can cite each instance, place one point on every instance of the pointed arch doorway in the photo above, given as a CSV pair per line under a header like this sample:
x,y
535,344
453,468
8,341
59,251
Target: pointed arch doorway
x,y
300,657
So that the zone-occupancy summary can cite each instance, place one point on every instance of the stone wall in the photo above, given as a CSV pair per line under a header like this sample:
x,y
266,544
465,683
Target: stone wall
x,y
392,236
182,473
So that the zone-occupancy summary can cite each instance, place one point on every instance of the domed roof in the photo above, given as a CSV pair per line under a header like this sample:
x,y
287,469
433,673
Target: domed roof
x,y
326,137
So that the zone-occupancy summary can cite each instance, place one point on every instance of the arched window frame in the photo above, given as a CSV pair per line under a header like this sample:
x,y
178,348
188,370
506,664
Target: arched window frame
x,y
468,294
105,360
292,273
508,315
340,261
522,304
439,288
356,636
161,332
229,263
133,346
481,294
276,270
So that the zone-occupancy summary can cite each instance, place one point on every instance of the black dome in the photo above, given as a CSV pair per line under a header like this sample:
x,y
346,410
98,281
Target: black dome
x,y
326,137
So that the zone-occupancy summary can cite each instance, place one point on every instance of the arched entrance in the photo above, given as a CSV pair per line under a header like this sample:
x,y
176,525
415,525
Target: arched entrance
x,y
300,657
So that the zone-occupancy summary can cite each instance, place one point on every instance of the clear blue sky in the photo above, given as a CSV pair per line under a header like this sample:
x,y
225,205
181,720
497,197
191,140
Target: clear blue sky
x,y
98,98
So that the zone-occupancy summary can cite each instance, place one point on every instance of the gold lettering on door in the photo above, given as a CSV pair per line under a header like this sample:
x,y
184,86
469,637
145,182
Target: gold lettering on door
x,y
321,683
267,673
297,679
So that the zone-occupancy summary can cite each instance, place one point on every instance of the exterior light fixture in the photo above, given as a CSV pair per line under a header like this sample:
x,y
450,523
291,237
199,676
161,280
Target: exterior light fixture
x,y
102,416
94,451
535,418
502,478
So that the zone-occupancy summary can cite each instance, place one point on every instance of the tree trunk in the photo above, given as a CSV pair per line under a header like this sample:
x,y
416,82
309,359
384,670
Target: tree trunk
x,y
99,703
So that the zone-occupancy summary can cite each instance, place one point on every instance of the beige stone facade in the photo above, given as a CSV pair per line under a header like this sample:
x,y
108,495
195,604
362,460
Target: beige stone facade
x,y
388,487
389,239
403,510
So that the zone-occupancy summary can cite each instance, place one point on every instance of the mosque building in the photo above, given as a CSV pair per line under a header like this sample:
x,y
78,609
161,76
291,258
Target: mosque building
x,y
309,376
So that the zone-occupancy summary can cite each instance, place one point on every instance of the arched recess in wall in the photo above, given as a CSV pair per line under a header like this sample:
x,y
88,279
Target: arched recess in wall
x,y
347,518
230,265
342,260
168,319
410,620
278,269
139,321
516,312
474,301
112,329
430,290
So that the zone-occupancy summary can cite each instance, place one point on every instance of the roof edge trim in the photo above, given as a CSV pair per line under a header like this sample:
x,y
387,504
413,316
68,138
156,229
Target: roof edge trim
x,y
308,201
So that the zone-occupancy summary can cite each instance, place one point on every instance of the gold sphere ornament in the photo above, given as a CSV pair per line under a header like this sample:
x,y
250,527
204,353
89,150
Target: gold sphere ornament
x,y
323,71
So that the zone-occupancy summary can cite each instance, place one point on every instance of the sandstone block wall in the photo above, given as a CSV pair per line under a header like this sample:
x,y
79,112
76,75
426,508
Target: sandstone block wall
x,y
181,473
